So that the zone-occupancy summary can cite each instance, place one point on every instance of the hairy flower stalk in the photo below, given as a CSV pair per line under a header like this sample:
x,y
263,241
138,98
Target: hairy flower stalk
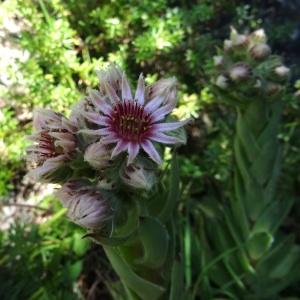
x,y
133,123
55,143
86,206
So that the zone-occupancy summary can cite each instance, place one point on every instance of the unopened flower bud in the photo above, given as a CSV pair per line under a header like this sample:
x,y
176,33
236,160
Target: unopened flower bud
x,y
238,40
258,36
222,82
282,72
272,89
98,155
86,205
297,94
239,72
260,51
218,60
137,176
55,143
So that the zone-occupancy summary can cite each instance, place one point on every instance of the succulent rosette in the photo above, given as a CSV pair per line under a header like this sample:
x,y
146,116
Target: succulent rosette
x,y
86,205
131,123
55,143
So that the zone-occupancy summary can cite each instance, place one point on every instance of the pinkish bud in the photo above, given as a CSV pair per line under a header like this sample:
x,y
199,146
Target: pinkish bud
x,y
222,82
239,72
260,51
282,72
137,176
55,143
165,88
98,155
86,205
238,40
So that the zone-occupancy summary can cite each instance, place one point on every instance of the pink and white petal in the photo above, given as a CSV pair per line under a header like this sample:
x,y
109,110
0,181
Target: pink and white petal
x,y
120,147
100,102
161,113
96,118
162,138
101,131
169,126
140,91
133,150
111,93
68,146
151,151
154,104
62,135
126,91
110,139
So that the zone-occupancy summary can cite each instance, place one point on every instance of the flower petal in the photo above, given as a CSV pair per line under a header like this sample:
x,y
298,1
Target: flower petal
x,y
165,139
161,113
99,102
151,151
120,147
140,91
111,93
154,104
133,150
126,91
169,126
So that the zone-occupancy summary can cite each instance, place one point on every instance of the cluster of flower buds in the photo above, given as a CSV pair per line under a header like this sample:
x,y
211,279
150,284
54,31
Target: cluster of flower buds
x,y
112,139
246,66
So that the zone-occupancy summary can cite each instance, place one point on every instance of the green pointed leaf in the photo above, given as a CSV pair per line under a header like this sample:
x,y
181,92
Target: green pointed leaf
x,y
154,238
177,284
258,244
174,192
145,289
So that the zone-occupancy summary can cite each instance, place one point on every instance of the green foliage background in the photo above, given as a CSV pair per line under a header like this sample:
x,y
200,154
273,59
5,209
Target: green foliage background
x,y
65,41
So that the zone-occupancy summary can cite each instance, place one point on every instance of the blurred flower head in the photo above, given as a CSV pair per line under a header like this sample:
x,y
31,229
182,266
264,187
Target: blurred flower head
x,y
86,206
55,142
132,123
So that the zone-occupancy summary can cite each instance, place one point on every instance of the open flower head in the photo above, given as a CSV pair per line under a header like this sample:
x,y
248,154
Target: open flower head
x,y
86,206
133,122
55,142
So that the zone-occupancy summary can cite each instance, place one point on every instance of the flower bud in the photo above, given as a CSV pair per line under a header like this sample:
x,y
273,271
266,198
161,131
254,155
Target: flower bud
x,y
98,155
55,143
239,72
86,205
238,40
218,60
165,88
258,36
260,51
297,94
272,89
137,176
222,82
282,72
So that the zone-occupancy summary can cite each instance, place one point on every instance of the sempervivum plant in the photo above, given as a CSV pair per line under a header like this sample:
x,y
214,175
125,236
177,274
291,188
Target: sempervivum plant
x,y
250,254
105,156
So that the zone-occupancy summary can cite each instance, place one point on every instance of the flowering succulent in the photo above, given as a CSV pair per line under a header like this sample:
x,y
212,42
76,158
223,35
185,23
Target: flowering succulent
x,y
55,142
86,206
246,67
132,123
